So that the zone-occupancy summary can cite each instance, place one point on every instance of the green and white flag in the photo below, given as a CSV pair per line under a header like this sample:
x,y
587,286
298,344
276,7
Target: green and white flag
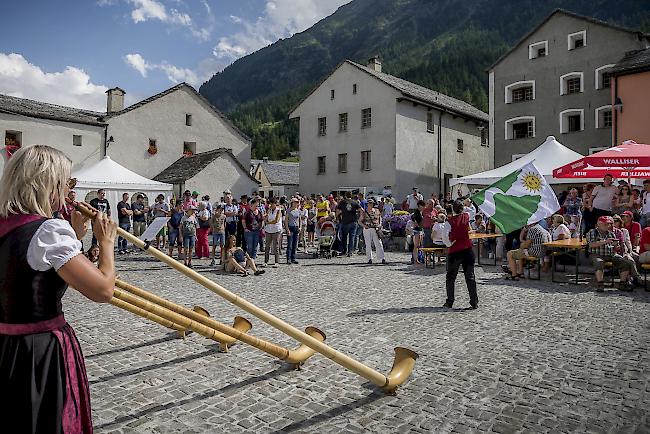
x,y
521,198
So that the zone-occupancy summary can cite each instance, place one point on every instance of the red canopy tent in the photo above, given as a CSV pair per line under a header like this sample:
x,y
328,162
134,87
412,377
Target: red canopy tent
x,y
630,159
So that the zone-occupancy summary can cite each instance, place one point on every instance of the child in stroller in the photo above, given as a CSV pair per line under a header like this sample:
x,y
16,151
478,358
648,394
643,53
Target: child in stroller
x,y
326,238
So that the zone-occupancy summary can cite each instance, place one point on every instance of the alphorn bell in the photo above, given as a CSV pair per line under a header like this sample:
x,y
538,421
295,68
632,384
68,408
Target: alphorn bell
x,y
403,363
295,357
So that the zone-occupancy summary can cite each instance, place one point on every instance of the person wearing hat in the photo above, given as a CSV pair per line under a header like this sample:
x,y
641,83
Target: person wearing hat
x,y
370,221
633,228
413,199
188,227
601,246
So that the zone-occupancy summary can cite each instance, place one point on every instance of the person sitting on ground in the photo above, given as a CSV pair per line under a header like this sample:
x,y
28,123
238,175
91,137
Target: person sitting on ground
x,y
560,230
532,246
237,261
601,244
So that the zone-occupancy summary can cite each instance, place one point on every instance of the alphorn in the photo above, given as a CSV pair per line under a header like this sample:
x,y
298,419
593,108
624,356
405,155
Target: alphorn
x,y
148,315
295,357
403,363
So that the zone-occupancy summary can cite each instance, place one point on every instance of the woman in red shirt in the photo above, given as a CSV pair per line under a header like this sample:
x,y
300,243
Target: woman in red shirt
x,y
460,252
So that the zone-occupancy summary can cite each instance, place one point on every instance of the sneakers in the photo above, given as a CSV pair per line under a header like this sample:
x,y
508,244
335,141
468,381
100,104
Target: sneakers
x,y
600,286
293,261
264,265
370,261
383,262
212,263
259,272
447,306
626,287
473,306
274,265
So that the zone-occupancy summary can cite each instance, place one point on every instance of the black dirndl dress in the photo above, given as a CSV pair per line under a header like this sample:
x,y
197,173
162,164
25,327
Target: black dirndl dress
x,y
43,382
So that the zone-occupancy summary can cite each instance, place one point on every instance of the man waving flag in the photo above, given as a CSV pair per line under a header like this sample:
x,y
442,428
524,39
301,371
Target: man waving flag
x,y
521,198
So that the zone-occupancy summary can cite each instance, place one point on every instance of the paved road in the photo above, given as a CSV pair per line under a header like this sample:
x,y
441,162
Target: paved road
x,y
535,357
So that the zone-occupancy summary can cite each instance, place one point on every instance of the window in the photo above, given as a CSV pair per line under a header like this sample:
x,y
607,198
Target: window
x,y
520,91
322,126
430,123
577,40
189,148
76,140
520,128
354,89
522,94
365,160
343,163
538,49
343,122
604,116
332,94
484,134
321,165
607,118
13,140
572,120
603,77
571,83
188,120
574,123
459,145
366,118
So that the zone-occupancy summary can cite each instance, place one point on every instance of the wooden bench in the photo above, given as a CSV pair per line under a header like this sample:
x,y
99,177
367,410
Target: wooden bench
x,y
429,254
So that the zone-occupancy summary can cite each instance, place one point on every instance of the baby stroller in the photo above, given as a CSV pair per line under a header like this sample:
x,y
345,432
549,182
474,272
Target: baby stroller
x,y
325,240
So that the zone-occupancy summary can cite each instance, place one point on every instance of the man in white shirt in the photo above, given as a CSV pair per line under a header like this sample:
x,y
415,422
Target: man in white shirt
x,y
231,211
413,199
603,196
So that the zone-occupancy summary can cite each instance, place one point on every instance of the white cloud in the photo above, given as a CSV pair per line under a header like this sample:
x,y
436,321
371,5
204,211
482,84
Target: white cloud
x,y
281,18
70,87
137,62
205,69
145,10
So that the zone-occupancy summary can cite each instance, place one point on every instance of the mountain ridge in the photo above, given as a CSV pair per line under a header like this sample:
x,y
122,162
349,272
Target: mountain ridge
x,y
444,45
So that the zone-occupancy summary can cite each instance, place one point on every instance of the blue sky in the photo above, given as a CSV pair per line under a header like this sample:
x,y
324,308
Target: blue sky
x,y
70,51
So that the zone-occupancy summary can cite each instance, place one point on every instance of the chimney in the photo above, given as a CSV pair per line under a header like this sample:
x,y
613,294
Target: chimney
x,y
374,63
115,100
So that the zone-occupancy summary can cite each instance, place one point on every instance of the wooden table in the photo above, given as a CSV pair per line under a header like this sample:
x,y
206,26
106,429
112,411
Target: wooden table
x,y
481,237
571,244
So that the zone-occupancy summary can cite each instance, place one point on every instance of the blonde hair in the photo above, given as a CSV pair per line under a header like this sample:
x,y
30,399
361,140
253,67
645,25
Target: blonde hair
x,y
34,181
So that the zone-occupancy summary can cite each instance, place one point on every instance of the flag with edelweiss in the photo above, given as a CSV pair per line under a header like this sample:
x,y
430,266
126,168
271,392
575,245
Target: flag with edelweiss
x,y
521,198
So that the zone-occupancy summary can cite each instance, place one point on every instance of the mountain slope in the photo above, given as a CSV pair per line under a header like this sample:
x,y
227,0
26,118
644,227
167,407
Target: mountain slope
x,y
441,44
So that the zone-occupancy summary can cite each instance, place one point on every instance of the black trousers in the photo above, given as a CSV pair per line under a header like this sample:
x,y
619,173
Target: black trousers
x,y
454,261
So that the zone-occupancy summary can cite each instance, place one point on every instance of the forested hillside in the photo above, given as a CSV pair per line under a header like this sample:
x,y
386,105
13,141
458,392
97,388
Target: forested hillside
x,y
445,45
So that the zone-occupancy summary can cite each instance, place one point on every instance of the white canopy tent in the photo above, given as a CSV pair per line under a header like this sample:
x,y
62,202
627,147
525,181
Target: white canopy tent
x,y
548,156
116,180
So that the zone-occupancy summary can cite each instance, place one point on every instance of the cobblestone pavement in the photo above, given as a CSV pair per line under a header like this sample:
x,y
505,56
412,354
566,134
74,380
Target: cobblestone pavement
x,y
535,357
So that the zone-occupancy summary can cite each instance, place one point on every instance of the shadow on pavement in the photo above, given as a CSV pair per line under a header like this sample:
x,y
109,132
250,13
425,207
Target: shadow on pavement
x,y
415,309
195,398
169,337
334,412
152,367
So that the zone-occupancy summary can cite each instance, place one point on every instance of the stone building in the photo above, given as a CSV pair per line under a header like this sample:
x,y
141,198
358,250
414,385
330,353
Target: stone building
x,y
211,172
276,178
147,138
362,128
630,97
556,81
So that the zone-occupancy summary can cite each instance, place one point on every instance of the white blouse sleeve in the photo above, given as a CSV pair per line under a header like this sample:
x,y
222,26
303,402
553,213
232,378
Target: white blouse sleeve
x,y
53,245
